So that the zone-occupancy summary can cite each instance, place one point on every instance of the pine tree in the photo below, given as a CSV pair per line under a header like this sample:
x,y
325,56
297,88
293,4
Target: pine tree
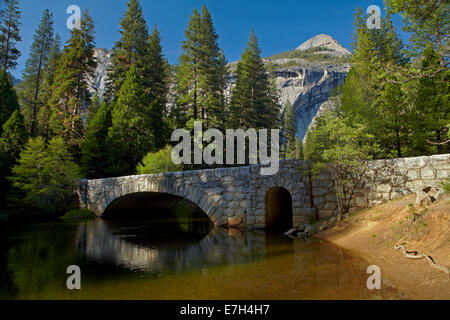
x,y
431,111
30,87
9,34
71,97
211,73
361,90
289,131
427,21
390,106
28,175
158,124
222,80
8,98
47,87
200,76
46,176
12,141
155,75
95,149
130,49
189,68
254,103
130,135
63,175
155,70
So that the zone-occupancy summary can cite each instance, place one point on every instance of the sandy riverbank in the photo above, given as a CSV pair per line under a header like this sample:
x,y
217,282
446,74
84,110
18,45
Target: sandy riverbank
x,y
373,233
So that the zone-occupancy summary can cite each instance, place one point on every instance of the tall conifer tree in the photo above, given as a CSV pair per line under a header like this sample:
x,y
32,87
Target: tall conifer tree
x,y
130,135
130,49
47,87
8,98
254,100
9,34
200,76
29,89
71,97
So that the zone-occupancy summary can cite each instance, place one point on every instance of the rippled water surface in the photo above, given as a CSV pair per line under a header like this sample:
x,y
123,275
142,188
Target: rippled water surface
x,y
149,260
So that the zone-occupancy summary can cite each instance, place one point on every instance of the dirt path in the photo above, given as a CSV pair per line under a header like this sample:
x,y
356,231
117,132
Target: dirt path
x,y
372,235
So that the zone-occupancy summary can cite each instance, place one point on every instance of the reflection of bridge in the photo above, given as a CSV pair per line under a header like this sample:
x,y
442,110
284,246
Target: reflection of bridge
x,y
233,196
101,241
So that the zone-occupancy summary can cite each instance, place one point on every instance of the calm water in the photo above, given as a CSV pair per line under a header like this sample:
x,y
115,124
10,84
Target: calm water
x,y
148,260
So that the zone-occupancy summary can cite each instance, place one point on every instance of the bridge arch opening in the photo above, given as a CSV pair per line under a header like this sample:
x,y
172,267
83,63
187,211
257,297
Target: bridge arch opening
x,y
278,204
164,214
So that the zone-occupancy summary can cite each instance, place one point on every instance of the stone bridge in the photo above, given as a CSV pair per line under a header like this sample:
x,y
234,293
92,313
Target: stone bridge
x,y
243,197
229,196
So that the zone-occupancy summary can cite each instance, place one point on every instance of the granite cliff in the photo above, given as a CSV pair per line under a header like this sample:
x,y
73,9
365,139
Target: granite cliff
x,y
306,76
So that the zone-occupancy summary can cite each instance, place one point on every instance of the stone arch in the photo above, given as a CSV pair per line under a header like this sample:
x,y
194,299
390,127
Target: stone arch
x,y
260,198
116,188
278,206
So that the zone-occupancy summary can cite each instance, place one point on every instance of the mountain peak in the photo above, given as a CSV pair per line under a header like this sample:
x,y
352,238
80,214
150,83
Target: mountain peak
x,y
324,41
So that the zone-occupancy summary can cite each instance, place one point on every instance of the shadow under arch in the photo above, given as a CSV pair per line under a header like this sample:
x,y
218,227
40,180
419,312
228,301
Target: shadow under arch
x,y
278,205
165,215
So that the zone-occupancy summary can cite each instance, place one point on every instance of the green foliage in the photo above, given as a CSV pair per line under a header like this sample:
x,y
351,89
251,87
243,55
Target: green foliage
x,y
9,34
155,73
446,185
47,86
71,83
368,98
254,102
8,98
158,162
14,135
427,21
12,140
76,214
342,148
431,111
130,135
201,74
292,143
130,49
30,87
95,151
46,175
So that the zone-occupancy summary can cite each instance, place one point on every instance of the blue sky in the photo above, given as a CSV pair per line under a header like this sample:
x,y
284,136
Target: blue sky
x,y
279,25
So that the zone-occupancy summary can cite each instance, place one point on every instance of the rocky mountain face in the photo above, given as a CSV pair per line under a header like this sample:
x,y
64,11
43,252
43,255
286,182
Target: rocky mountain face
x,y
308,89
305,83
98,83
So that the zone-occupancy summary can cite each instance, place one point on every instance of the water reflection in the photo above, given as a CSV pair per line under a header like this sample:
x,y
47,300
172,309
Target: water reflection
x,y
134,246
148,260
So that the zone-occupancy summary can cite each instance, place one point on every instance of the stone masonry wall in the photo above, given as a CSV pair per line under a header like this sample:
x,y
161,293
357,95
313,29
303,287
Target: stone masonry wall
x,y
385,180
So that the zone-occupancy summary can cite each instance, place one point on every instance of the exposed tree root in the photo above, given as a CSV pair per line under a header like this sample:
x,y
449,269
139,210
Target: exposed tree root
x,y
416,255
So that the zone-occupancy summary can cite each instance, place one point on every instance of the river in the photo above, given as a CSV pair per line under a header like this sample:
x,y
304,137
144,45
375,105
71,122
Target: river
x,y
151,260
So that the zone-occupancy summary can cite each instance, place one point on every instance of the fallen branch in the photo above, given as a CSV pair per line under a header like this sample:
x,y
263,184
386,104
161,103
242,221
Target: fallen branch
x,y
415,255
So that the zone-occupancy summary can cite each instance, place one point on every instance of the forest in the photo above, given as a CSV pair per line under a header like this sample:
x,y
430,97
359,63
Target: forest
x,y
54,131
